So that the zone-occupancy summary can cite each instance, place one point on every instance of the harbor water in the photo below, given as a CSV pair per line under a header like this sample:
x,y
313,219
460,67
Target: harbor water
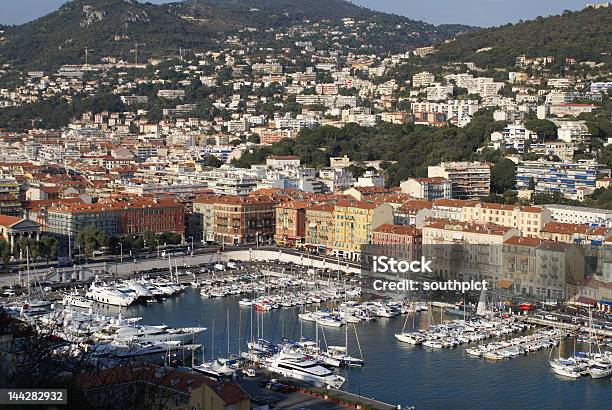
x,y
394,372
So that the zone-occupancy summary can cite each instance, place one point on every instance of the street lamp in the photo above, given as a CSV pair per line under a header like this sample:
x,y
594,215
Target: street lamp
x,y
121,254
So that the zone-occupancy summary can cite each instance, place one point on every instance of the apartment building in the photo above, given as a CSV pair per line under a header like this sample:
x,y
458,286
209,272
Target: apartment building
x,y
465,250
204,212
575,132
414,212
469,180
458,112
354,222
580,215
574,233
428,189
290,228
566,178
422,79
244,219
117,217
528,220
269,137
396,241
320,228
439,92
564,150
513,136
336,179
541,268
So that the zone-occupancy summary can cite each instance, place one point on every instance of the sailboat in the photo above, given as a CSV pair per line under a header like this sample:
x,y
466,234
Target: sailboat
x,y
341,352
563,366
481,308
413,338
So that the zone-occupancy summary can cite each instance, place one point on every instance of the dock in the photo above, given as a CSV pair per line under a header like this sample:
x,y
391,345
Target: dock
x,y
567,326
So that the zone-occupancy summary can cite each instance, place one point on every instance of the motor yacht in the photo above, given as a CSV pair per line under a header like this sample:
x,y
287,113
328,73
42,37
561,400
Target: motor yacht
x,y
299,367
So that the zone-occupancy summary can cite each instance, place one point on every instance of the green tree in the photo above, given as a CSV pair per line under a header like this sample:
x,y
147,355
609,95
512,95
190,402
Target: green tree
x,y
91,239
150,240
27,247
212,161
546,130
48,247
5,254
503,175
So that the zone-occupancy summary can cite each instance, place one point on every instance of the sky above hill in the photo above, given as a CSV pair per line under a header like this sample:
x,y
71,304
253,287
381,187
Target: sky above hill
x,y
482,13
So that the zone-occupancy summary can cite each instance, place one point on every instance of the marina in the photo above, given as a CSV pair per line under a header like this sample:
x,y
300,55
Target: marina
x,y
319,331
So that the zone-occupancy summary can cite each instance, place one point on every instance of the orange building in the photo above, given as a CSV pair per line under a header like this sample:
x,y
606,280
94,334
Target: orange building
x,y
240,220
291,223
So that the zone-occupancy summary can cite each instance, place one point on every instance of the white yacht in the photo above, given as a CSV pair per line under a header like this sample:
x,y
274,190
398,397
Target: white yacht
x,y
77,300
109,296
600,368
410,338
141,291
566,371
162,333
329,321
299,367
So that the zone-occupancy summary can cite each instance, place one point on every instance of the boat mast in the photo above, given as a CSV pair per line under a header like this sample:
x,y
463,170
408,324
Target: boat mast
x,y
358,344
228,333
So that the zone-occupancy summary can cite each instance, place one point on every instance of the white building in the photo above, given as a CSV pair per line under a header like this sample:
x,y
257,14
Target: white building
x,y
371,179
439,92
422,79
429,189
470,180
580,215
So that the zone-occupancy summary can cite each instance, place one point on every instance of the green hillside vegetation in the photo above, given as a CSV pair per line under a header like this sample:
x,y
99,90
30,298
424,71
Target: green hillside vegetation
x,y
585,35
406,150
112,27
109,27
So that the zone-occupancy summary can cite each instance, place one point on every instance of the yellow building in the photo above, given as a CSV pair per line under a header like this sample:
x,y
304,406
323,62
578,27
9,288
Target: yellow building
x,y
529,220
320,228
354,222
462,250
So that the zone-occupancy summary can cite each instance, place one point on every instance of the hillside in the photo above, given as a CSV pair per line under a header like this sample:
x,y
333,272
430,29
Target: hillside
x,y
583,35
106,26
111,27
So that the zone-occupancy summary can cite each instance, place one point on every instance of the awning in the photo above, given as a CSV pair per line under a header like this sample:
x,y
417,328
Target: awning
x,y
584,301
505,284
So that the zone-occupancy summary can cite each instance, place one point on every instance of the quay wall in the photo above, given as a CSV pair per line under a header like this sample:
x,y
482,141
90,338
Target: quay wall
x,y
132,266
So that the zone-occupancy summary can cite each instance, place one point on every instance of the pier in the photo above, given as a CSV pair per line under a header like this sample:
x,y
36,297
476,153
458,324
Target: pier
x,y
567,326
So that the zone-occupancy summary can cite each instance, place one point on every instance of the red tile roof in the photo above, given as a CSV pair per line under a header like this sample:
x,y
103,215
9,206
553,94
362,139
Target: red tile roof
x,y
398,230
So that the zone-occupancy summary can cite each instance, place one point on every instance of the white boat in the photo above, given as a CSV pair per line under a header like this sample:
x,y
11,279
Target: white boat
x,y
77,301
566,371
299,367
328,321
146,333
109,296
410,338
433,344
140,290
600,369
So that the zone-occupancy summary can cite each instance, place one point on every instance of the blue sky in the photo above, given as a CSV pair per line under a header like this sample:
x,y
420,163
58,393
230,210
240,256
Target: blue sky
x,y
473,12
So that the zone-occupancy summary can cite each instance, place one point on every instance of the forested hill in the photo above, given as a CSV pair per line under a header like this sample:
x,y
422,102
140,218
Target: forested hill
x,y
406,150
112,27
585,35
